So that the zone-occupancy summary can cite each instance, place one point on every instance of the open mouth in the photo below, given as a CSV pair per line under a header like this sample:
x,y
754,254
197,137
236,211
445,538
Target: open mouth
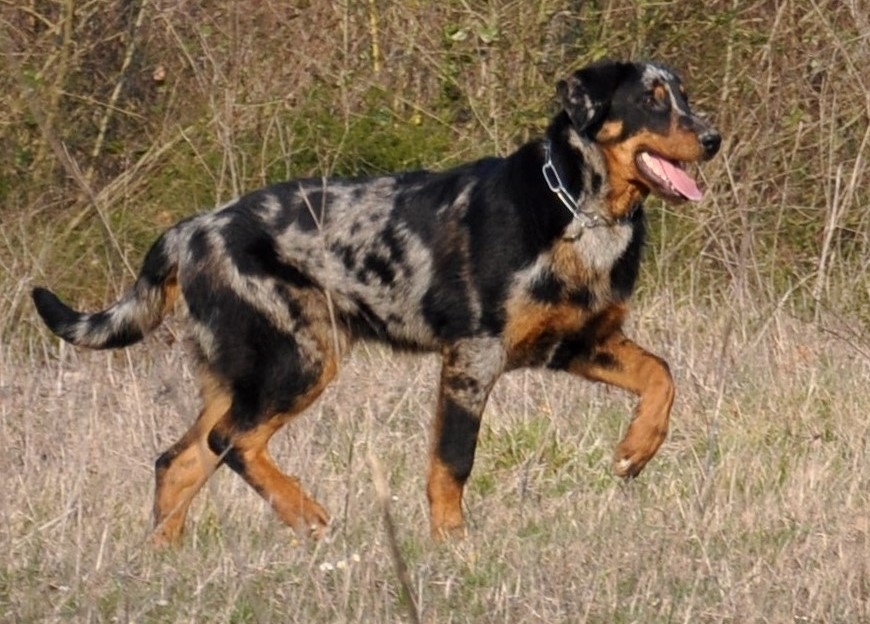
x,y
668,178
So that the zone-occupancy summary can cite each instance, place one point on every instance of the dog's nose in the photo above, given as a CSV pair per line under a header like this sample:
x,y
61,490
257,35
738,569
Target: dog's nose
x,y
710,141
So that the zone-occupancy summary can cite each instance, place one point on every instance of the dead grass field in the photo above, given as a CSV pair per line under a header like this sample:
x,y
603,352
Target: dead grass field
x,y
117,118
756,510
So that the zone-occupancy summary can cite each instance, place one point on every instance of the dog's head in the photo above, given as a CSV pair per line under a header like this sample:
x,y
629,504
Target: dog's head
x,y
639,115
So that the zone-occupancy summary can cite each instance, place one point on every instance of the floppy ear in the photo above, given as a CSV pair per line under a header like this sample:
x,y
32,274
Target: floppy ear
x,y
586,94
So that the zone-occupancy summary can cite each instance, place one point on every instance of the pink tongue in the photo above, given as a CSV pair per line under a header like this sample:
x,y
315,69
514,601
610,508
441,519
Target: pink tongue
x,y
680,180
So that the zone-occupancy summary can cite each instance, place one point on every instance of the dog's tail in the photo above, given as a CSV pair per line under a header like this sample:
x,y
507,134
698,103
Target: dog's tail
x,y
139,311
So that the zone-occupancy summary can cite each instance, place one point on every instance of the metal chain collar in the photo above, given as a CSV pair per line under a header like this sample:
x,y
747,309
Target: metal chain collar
x,y
554,181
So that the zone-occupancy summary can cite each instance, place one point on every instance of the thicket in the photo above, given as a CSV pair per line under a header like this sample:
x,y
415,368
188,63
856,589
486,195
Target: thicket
x,y
119,117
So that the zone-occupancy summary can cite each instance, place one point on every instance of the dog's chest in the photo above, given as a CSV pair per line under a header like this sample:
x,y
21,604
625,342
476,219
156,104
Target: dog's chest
x,y
599,248
567,286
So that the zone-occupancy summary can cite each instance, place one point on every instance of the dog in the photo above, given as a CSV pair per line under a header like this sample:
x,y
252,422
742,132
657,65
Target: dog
x,y
522,261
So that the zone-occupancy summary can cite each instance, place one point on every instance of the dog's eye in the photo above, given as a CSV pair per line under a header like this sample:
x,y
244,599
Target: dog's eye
x,y
654,100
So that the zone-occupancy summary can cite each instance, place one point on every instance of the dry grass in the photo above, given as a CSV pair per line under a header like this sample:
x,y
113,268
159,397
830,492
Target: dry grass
x,y
756,509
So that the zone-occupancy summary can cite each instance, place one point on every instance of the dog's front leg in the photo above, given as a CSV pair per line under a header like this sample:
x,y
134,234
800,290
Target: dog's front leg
x,y
618,361
469,370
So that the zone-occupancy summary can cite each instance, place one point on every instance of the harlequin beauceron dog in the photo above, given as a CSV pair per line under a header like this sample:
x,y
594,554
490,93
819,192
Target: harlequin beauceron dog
x,y
498,264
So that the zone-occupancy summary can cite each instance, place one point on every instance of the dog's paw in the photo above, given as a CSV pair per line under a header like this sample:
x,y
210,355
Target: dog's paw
x,y
447,524
628,464
317,531
449,533
312,523
640,445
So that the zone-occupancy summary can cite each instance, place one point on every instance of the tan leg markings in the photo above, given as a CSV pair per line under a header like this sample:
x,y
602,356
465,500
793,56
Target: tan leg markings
x,y
256,466
469,371
445,502
193,463
284,493
647,376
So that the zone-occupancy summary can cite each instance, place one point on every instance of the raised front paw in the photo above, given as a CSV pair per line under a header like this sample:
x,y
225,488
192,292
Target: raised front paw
x,y
628,466
314,521
635,451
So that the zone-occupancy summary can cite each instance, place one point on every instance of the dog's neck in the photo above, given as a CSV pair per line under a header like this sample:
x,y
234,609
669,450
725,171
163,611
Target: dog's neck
x,y
576,205
576,172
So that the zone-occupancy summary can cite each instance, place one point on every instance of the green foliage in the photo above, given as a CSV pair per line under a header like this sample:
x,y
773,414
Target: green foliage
x,y
374,141
206,111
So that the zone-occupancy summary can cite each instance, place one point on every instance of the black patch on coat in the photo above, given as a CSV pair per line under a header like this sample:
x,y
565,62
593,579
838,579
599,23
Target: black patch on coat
x,y
199,247
55,313
122,336
582,346
581,296
547,288
374,265
265,369
624,273
345,253
253,251
157,265
458,439
165,460
446,305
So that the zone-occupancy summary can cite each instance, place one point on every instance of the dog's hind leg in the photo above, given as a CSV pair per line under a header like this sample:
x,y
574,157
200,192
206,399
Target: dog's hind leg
x,y
244,449
182,470
469,371
274,369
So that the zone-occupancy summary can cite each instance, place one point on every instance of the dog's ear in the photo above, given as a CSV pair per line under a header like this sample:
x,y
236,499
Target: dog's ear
x,y
586,94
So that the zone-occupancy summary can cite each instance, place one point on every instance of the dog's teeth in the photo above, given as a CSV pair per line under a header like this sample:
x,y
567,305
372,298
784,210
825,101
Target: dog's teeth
x,y
649,161
654,165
